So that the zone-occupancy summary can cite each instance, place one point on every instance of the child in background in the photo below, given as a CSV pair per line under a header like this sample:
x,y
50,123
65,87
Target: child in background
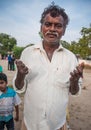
x,y
1,69
8,100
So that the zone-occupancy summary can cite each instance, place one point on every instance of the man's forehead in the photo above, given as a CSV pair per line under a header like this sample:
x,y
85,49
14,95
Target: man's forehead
x,y
48,17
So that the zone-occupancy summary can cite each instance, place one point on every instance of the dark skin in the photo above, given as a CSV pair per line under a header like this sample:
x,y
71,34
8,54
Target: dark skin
x,y
17,113
53,29
75,75
3,89
3,85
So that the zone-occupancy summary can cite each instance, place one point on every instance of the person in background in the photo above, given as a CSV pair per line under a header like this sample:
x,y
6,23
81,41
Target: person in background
x,y
13,62
8,100
9,62
1,68
48,73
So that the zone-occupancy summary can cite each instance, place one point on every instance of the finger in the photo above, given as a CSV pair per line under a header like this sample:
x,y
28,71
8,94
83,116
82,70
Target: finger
x,y
16,61
80,70
74,75
22,68
25,69
82,65
20,64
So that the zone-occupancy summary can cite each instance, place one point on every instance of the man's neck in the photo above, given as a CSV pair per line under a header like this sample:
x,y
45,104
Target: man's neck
x,y
50,48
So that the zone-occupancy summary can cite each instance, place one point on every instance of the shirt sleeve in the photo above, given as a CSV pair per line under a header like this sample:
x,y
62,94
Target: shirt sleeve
x,y
22,58
19,90
17,99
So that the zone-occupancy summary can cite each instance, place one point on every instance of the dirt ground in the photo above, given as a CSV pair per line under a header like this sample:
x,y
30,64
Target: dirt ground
x,y
79,107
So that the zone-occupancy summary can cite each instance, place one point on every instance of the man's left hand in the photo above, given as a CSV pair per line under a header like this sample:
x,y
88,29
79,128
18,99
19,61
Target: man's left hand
x,y
75,75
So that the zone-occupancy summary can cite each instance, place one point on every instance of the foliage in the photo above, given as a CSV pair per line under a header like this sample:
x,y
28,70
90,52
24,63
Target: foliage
x,y
65,44
6,43
17,51
83,46
3,53
85,42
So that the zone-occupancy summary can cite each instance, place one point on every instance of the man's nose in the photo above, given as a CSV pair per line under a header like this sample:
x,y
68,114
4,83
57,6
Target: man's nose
x,y
52,27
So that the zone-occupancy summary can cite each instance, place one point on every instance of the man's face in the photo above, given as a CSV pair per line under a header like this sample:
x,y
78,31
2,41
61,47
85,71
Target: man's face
x,y
3,86
52,29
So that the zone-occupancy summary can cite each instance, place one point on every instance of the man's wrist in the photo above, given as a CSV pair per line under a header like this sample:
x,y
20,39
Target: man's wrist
x,y
74,88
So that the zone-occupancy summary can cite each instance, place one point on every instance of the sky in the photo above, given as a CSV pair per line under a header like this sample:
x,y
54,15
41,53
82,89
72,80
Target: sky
x,y
21,18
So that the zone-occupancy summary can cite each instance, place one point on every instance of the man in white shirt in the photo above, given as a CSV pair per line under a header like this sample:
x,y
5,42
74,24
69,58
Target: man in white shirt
x,y
48,73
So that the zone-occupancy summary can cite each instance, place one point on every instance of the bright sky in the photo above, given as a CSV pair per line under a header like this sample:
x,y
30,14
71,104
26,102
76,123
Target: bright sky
x,y
20,18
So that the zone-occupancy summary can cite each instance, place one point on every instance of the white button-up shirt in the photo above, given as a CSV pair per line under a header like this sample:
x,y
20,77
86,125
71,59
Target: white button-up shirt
x,y
47,87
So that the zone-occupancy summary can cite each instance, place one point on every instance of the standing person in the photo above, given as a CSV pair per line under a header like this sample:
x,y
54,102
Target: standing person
x,y
8,100
9,62
48,72
13,62
1,68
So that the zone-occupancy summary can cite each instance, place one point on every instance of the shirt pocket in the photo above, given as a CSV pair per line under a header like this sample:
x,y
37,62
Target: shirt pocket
x,y
61,77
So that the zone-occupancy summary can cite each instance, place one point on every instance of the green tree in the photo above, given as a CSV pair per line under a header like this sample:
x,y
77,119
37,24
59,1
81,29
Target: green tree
x,y
17,51
83,46
73,47
85,42
65,44
7,42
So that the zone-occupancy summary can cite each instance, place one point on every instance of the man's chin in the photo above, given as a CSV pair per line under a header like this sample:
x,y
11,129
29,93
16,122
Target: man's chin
x,y
53,42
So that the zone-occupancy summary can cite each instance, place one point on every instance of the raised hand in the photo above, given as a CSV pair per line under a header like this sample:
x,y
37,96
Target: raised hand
x,y
21,67
75,76
22,70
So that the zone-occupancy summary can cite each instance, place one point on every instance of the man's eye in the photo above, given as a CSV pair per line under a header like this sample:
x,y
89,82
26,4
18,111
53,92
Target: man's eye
x,y
59,25
56,25
47,24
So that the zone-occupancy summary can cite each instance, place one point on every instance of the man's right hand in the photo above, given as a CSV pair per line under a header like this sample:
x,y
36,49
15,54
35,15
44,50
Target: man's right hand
x,y
22,70
21,67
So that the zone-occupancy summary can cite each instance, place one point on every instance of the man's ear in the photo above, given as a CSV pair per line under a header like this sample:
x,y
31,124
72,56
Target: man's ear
x,y
41,34
64,30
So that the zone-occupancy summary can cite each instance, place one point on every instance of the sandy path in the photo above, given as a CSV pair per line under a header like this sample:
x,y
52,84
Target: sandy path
x,y
80,107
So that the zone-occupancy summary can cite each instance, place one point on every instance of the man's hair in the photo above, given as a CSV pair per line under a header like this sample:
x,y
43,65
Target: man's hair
x,y
3,77
55,11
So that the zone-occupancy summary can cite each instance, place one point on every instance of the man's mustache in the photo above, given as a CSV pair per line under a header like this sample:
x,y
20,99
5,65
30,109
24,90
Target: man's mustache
x,y
51,33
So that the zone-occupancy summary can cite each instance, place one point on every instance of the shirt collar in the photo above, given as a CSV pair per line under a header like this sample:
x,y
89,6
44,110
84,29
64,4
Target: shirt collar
x,y
3,92
40,47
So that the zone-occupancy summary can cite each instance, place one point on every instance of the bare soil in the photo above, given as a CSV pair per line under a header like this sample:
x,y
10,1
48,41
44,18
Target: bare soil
x,y
79,107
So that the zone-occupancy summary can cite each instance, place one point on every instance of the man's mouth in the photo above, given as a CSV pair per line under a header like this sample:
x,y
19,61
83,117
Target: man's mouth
x,y
51,35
